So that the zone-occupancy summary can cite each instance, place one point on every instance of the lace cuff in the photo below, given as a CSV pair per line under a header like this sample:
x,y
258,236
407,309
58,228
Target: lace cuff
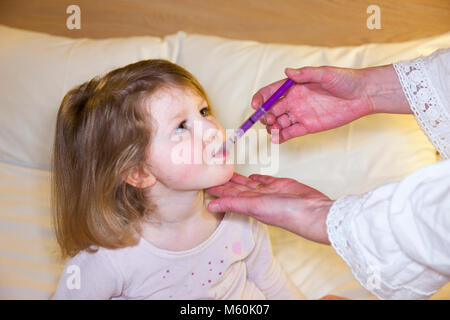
x,y
365,269
428,109
341,237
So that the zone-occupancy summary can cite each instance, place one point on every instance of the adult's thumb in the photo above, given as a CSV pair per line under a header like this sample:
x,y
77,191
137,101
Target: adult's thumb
x,y
234,204
306,74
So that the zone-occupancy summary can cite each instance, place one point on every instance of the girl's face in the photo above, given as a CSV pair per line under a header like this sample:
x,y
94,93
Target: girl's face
x,y
184,140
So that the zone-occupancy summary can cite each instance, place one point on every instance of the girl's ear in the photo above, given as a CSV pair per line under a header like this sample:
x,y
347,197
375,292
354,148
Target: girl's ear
x,y
140,177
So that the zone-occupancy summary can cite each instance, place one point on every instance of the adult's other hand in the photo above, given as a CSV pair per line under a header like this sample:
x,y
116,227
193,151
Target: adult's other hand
x,y
282,202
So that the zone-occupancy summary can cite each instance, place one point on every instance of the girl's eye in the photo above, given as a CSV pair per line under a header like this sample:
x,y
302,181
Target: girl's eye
x,y
182,126
205,111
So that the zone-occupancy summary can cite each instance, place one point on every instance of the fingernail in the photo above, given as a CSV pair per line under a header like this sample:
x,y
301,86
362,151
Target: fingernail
x,y
294,71
290,70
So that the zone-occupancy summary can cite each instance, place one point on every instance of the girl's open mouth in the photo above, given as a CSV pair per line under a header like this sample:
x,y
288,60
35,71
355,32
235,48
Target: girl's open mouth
x,y
220,154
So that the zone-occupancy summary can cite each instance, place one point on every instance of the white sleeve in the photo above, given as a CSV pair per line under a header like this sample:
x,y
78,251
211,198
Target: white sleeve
x,y
89,276
265,270
426,84
396,239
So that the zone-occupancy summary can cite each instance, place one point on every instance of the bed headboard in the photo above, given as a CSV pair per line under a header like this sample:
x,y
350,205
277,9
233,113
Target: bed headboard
x,y
313,22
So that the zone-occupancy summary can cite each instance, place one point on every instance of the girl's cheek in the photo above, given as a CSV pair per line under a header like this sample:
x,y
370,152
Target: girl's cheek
x,y
187,173
188,151
182,153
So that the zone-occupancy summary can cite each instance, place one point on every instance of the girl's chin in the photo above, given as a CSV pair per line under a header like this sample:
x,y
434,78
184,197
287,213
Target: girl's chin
x,y
206,177
220,177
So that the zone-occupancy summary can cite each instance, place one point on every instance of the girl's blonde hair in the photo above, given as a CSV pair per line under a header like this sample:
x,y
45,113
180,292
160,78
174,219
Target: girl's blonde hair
x,y
102,132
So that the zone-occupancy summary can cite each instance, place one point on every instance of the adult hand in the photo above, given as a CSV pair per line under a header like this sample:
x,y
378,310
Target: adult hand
x,y
282,202
328,97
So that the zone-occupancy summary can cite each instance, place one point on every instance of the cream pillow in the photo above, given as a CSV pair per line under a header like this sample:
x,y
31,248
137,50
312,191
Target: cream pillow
x,y
352,159
38,69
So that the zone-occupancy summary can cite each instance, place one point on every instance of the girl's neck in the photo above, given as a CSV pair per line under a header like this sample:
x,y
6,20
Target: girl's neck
x,y
177,207
181,220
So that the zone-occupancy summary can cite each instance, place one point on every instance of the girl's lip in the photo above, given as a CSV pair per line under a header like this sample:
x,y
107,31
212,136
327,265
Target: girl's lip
x,y
221,154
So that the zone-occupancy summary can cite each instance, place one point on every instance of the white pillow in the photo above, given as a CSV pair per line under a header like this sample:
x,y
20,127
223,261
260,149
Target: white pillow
x,y
30,266
36,72
352,159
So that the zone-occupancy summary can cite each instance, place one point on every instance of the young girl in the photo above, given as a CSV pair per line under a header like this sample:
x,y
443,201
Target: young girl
x,y
131,216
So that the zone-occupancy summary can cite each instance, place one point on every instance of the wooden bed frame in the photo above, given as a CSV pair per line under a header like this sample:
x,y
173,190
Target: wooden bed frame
x,y
312,22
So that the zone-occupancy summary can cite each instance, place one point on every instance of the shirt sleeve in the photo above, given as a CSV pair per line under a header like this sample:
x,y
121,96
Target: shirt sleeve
x,y
89,276
395,239
426,84
265,270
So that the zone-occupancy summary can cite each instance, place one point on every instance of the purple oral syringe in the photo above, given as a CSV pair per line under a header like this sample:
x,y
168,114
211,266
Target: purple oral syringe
x,y
255,116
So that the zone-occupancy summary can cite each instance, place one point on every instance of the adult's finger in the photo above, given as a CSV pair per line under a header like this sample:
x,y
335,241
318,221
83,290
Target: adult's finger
x,y
269,121
243,180
275,129
284,120
241,187
223,191
262,178
264,93
246,205
231,189
269,118
296,130
263,120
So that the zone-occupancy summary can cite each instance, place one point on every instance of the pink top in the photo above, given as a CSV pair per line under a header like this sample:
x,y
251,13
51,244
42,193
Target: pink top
x,y
235,262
